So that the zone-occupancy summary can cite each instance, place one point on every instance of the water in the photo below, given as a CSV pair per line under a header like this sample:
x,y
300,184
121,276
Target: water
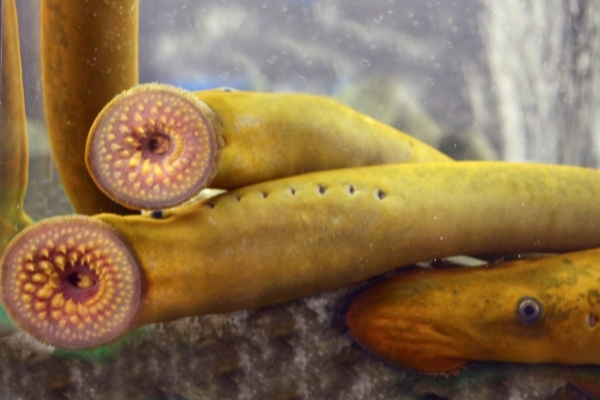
x,y
513,80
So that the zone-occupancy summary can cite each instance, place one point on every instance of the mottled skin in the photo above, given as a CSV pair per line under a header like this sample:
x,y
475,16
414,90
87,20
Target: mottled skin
x,y
14,154
247,138
298,236
89,55
439,320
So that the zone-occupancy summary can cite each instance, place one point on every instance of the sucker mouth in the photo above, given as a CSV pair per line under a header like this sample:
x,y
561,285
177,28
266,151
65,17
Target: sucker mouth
x,y
71,282
152,147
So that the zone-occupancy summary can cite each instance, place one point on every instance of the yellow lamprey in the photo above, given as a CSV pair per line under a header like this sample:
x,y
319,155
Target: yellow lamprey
x,y
530,311
156,146
14,154
89,55
285,239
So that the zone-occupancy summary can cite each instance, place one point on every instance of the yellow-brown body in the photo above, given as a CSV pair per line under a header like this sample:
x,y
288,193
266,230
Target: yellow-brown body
x,y
89,55
298,236
14,154
269,136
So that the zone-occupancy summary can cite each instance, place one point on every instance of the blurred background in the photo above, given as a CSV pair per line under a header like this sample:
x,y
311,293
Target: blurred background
x,y
479,79
521,76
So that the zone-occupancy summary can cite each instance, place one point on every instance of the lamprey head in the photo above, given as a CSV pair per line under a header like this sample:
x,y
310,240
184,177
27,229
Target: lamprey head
x,y
71,282
529,311
153,147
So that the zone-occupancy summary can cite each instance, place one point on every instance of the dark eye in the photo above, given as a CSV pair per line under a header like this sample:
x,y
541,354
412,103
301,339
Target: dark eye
x,y
529,310
157,214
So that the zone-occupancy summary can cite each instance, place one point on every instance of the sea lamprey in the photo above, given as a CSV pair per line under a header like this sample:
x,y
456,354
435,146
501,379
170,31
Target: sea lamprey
x,y
156,146
284,239
529,311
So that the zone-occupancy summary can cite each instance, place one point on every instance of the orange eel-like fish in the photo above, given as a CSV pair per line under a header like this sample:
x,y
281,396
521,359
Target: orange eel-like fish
x,y
542,310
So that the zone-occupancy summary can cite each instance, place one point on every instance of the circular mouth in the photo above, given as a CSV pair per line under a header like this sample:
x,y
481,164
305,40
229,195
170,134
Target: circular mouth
x,y
152,147
71,282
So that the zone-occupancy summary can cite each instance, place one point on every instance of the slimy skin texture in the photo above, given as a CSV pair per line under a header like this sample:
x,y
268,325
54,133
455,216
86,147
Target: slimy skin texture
x,y
301,133
439,320
229,139
302,235
14,153
89,55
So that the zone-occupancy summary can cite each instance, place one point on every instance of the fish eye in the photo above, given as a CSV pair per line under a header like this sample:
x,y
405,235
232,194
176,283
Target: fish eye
x,y
529,310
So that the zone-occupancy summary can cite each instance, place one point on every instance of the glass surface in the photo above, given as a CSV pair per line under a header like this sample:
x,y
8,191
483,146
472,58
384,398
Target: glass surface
x,y
513,80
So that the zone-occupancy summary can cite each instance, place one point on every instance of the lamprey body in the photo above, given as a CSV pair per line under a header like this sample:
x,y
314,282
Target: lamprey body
x,y
89,55
155,146
298,236
529,311
14,153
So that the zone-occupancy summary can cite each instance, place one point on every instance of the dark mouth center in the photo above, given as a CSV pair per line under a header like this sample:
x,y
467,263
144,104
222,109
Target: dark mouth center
x,y
157,144
79,283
